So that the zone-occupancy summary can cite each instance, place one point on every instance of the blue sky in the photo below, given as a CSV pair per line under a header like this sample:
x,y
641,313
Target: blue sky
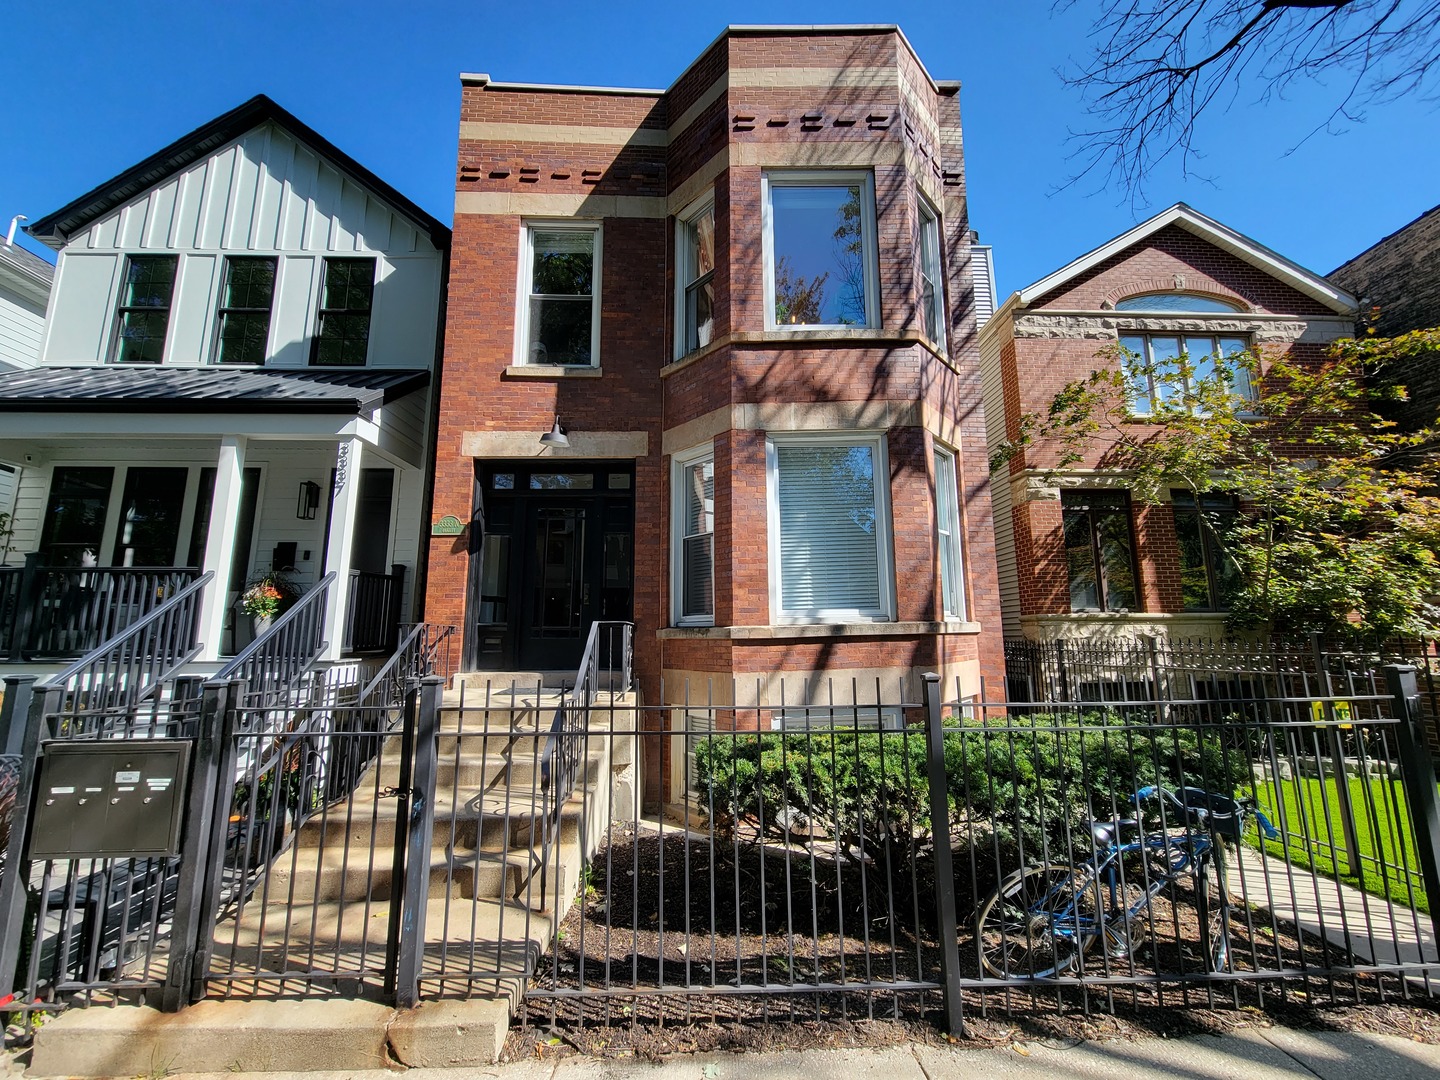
x,y
90,88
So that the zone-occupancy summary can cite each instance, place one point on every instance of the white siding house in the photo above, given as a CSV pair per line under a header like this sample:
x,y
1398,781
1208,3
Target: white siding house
x,y
235,376
24,291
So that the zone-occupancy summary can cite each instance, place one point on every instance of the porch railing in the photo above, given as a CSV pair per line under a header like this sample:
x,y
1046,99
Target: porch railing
x,y
52,612
272,663
114,679
372,620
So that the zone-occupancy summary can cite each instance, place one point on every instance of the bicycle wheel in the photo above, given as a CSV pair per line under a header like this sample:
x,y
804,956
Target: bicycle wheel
x,y
1213,908
1037,922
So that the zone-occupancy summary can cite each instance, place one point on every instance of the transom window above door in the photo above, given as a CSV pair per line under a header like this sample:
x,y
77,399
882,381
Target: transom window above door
x,y
820,257
559,317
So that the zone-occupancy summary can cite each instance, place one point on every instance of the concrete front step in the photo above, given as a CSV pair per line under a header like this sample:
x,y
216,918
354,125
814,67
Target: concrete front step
x,y
485,936
346,874
482,821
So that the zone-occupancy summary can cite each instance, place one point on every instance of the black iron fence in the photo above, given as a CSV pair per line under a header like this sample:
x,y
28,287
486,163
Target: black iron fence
x,y
50,612
882,853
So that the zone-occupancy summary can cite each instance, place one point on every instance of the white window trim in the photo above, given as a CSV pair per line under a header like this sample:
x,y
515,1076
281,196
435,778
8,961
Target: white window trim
x,y
1148,417
957,545
526,275
927,210
217,301
678,464
317,297
885,561
869,249
683,221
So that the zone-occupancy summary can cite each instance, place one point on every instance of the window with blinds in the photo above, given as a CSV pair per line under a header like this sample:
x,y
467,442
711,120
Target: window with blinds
x,y
947,525
830,530
694,517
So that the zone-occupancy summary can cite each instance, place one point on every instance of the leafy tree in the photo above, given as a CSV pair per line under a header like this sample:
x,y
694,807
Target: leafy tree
x,y
797,300
1157,67
1340,519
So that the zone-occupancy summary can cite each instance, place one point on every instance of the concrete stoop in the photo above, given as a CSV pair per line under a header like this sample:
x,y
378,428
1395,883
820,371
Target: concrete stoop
x,y
270,1036
326,898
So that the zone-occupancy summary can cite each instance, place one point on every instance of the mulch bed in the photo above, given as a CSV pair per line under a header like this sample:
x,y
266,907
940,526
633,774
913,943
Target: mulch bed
x,y
747,907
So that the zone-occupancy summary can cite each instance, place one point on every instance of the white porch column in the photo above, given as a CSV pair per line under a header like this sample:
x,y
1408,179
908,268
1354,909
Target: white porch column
x,y
220,542
342,532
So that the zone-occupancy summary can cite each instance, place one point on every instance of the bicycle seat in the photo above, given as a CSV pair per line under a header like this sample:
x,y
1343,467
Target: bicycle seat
x,y
1107,832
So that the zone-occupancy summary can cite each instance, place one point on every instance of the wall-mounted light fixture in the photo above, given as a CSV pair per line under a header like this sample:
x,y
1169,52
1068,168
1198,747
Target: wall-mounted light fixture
x,y
309,500
555,437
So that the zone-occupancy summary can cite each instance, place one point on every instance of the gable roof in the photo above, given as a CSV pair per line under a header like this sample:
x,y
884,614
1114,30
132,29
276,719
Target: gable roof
x,y
55,230
26,271
1207,228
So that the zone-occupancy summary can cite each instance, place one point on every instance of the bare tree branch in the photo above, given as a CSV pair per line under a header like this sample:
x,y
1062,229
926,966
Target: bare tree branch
x,y
1158,65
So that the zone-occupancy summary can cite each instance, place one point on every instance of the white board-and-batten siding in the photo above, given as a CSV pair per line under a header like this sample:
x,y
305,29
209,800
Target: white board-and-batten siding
x,y
266,193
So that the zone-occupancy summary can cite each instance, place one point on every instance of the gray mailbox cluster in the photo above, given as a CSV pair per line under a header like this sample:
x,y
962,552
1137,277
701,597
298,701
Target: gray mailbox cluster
x,y
110,799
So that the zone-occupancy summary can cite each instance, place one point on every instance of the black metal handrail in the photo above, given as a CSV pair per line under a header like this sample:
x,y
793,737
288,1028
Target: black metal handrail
x,y
272,663
560,763
66,611
122,672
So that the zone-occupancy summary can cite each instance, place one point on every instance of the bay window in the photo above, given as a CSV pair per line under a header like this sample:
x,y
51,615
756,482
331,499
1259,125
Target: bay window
x,y
693,551
820,259
829,528
947,526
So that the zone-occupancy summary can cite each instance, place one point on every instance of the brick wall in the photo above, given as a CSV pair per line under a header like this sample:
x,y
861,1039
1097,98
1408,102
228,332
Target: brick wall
x,y
856,99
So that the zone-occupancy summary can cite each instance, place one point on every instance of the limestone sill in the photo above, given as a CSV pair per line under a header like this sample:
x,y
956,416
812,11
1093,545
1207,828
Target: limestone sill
x,y
810,631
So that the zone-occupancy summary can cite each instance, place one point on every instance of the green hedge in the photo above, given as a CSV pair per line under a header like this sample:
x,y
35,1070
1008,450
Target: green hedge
x,y
1014,784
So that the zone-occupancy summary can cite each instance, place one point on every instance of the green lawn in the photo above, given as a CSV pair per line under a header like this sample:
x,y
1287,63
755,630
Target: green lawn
x,y
1382,824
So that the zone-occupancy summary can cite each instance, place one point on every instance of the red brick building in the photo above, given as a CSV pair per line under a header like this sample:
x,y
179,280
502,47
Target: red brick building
x,y
747,301
1077,558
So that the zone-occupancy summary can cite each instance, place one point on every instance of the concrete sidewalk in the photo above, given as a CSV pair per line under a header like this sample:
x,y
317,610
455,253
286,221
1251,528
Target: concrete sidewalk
x,y
1250,1054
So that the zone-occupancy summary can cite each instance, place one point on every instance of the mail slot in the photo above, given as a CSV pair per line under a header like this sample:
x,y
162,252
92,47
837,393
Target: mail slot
x,y
114,799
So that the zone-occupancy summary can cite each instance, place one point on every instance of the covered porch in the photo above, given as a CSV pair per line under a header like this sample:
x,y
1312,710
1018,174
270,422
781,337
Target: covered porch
x,y
117,508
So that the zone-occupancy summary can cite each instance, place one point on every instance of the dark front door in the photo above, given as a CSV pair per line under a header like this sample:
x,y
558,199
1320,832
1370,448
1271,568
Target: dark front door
x,y
550,555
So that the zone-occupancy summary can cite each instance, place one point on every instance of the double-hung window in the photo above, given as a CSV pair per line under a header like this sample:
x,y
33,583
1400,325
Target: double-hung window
x,y
829,528
695,292
559,320
693,517
346,295
144,312
1209,577
245,305
932,286
1170,366
1099,550
820,260
947,526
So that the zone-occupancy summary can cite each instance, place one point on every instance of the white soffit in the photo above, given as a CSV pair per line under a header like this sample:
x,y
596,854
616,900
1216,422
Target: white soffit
x,y
1192,221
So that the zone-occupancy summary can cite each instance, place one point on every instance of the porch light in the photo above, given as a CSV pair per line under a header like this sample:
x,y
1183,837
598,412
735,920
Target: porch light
x,y
555,437
309,500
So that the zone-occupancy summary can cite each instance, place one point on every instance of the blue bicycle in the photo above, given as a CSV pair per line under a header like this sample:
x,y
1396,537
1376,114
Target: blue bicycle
x,y
1041,919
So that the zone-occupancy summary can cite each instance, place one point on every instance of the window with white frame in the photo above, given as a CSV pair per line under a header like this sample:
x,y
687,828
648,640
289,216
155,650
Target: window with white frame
x,y
829,528
559,319
245,303
693,524
820,260
947,526
1170,366
695,287
932,286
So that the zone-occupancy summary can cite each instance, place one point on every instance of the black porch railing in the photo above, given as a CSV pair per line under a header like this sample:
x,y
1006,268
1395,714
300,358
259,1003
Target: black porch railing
x,y
56,612
372,619
273,663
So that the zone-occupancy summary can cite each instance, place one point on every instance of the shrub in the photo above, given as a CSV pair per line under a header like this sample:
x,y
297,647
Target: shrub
x,y
1015,787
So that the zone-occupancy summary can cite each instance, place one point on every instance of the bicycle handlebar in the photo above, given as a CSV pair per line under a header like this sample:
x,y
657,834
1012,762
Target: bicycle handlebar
x,y
1243,807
